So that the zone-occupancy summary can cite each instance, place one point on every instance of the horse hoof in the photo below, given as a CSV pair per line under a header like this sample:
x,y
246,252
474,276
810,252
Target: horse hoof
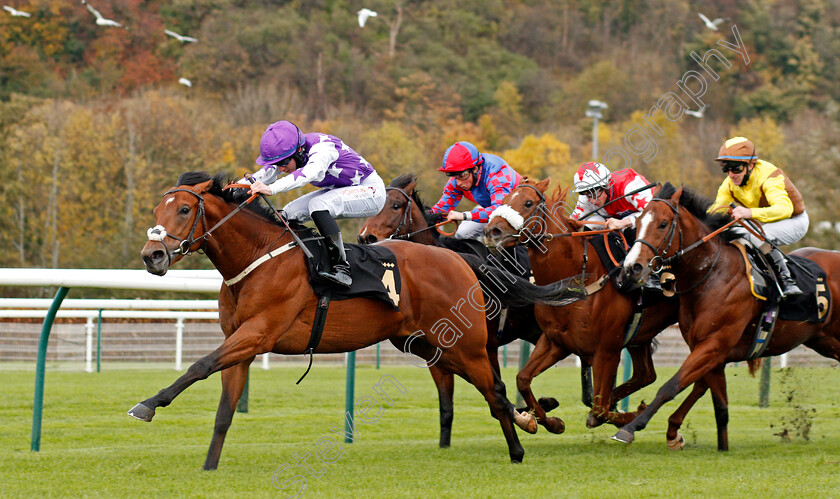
x,y
548,404
623,436
526,421
142,412
593,422
555,425
677,443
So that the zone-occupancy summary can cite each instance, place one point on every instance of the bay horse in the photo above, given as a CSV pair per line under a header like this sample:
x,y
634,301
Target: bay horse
x,y
267,304
593,328
717,306
404,217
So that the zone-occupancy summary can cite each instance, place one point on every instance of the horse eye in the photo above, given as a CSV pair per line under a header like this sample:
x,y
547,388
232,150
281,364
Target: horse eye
x,y
663,224
529,203
396,206
184,210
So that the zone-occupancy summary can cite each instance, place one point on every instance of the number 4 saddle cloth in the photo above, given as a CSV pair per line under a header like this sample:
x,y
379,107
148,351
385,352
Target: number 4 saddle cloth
x,y
373,268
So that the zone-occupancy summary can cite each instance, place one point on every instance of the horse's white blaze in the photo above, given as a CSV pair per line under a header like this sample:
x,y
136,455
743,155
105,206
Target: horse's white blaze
x,y
642,223
510,215
170,200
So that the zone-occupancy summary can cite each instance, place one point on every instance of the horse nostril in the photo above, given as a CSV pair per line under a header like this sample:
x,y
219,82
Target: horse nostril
x,y
636,268
495,232
361,239
368,239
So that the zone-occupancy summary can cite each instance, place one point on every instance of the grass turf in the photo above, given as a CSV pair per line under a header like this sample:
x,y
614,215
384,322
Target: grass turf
x,y
90,447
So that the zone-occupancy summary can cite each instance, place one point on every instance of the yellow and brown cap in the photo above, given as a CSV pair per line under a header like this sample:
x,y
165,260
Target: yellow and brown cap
x,y
737,149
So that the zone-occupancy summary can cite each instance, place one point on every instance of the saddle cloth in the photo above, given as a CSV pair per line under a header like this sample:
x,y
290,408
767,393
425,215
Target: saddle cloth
x,y
811,306
373,268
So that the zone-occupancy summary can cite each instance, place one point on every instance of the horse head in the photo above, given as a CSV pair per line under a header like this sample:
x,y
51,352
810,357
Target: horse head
x,y
180,225
402,214
655,231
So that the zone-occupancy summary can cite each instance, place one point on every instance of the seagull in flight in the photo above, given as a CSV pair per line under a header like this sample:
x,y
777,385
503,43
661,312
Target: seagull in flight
x,y
185,82
16,13
101,21
712,25
364,14
181,38
698,113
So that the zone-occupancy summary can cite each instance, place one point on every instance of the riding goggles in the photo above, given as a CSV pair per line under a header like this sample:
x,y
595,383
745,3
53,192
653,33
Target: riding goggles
x,y
735,167
463,175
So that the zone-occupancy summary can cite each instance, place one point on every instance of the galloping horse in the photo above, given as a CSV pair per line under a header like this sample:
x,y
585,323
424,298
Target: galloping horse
x,y
594,328
403,217
267,304
716,305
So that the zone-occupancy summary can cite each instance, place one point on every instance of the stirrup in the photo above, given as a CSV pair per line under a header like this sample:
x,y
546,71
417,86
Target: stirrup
x,y
340,274
789,288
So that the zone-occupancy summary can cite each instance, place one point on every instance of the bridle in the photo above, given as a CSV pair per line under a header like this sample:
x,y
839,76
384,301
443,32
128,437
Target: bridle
x,y
158,232
659,262
406,217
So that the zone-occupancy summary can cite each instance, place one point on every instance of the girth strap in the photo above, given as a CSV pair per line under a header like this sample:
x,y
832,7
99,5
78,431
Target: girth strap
x,y
317,330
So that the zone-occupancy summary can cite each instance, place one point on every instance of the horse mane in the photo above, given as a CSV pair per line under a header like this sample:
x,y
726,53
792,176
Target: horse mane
x,y
697,205
236,196
558,196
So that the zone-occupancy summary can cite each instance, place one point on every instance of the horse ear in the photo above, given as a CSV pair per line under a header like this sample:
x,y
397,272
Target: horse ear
x,y
542,185
677,195
204,186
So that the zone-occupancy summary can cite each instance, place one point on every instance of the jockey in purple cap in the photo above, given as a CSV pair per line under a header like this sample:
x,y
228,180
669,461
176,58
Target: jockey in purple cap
x,y
350,187
484,179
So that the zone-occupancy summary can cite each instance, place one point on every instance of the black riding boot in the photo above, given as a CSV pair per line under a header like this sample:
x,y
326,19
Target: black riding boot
x,y
339,270
789,287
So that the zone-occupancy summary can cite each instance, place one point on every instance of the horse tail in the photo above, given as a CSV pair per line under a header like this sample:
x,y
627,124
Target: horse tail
x,y
753,366
514,291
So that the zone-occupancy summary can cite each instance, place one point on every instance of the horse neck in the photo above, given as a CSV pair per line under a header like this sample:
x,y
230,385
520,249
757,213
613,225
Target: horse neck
x,y
564,256
698,261
418,222
242,239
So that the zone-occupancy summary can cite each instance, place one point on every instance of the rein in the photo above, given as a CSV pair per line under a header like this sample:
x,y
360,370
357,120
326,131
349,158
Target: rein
x,y
662,263
407,216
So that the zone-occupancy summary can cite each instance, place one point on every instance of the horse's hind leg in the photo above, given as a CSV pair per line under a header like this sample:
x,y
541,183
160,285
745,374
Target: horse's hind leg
x,y
643,373
233,382
445,383
546,353
717,384
481,375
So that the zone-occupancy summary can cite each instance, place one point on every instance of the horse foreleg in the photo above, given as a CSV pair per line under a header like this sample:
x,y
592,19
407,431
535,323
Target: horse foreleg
x,y
705,356
233,382
445,382
546,353
672,435
604,368
238,347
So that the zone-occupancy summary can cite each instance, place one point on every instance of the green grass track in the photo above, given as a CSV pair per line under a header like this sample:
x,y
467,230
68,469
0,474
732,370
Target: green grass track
x,y
91,448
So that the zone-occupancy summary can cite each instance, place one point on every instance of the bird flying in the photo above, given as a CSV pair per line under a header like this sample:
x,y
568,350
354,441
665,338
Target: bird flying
x,y
364,14
712,25
185,82
181,38
16,13
101,21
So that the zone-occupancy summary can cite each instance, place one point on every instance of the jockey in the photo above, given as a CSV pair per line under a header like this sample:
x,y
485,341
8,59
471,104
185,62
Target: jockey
x,y
762,192
484,179
350,187
598,186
